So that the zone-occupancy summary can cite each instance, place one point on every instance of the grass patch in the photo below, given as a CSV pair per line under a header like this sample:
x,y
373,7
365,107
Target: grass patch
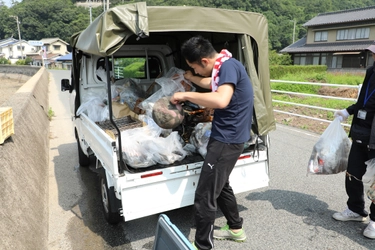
x,y
315,101
335,78
322,77
326,77
50,113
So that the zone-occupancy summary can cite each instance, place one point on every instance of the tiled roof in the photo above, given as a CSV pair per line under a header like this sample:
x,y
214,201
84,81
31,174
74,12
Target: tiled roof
x,y
7,41
67,57
301,47
344,16
52,40
10,43
49,56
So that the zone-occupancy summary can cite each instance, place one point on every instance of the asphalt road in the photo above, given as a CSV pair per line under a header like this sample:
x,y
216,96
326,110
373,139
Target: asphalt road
x,y
294,212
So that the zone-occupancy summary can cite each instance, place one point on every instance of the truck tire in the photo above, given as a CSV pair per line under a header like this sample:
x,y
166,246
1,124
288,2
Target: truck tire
x,y
83,159
111,205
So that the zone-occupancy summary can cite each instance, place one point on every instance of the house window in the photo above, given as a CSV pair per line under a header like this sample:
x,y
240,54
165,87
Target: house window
x,y
316,57
370,60
337,62
323,59
19,48
300,59
363,33
56,47
297,59
321,36
352,34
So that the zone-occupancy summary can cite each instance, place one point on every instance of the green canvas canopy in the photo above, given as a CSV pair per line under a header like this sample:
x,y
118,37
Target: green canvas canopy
x,y
110,31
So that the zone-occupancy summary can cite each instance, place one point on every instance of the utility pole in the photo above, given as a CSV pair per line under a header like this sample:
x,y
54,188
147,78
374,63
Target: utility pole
x,y
90,12
294,28
105,5
19,34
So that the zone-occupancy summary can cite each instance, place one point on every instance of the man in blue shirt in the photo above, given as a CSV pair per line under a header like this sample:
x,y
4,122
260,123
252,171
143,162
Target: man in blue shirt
x,y
232,99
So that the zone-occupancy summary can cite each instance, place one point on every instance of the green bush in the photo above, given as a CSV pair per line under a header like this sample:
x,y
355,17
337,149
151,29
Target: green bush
x,y
4,61
135,70
277,71
28,60
279,59
20,62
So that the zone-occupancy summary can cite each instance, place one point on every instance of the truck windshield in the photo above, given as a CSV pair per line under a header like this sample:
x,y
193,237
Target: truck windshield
x,y
134,67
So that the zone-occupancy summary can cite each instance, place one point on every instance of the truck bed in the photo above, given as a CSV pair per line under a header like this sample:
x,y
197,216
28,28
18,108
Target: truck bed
x,y
128,122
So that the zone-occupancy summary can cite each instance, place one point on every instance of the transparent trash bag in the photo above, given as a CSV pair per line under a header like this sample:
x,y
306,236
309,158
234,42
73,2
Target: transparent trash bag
x,y
143,147
173,82
200,137
94,105
331,151
131,92
368,180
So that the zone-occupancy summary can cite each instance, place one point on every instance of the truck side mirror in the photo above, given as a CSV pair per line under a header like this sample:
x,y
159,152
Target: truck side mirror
x,y
65,85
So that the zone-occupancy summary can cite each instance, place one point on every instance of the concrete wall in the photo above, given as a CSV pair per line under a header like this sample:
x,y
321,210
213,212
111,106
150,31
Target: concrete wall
x,y
13,69
24,165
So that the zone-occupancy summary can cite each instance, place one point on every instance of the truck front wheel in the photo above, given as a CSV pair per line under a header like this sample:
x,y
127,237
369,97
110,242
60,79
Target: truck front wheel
x,y
110,202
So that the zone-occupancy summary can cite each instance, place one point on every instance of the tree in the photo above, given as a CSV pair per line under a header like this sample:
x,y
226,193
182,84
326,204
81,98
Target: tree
x,y
61,18
53,18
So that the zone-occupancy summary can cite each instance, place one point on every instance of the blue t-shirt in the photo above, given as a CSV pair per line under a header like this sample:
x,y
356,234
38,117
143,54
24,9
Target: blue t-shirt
x,y
232,124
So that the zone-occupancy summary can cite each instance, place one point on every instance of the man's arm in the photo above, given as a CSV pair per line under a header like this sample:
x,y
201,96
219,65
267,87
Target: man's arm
x,y
203,82
217,100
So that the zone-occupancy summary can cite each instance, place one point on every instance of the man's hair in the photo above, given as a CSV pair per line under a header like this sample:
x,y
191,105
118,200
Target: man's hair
x,y
196,48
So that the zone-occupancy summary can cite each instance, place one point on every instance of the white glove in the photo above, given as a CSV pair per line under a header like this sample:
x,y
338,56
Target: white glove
x,y
342,114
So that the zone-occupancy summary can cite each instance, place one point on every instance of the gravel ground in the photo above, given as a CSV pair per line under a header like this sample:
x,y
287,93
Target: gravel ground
x,y
9,84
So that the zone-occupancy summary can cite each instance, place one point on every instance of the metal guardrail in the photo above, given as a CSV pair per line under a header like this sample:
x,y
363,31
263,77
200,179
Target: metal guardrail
x,y
312,95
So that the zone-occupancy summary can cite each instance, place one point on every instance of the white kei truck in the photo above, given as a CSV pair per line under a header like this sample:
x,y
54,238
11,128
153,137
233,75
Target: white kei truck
x,y
136,34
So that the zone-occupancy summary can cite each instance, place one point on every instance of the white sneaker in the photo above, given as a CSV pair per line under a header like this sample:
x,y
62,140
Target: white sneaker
x,y
348,215
370,230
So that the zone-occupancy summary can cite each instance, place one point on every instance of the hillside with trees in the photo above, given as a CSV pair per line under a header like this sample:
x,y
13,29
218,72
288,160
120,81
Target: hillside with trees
x,y
61,18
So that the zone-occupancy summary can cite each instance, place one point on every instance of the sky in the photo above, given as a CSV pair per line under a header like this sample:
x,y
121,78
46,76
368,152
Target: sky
x,y
8,2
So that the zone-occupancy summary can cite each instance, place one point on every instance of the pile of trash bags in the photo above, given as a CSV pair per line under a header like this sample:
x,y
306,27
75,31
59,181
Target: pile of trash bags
x,y
148,145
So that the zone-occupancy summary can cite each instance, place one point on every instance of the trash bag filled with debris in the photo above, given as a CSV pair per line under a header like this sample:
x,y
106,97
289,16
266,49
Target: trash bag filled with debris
x,y
200,137
143,147
330,153
174,81
94,105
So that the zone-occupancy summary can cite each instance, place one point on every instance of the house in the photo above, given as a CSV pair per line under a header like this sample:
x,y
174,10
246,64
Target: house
x,y
10,48
64,62
49,50
44,52
336,39
55,45
45,59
